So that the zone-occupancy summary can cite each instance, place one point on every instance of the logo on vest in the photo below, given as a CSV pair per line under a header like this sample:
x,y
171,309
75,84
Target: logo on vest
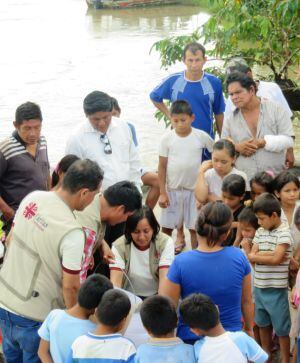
x,y
30,210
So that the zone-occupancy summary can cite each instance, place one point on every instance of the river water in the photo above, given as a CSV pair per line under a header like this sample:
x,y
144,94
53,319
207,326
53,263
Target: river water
x,y
55,52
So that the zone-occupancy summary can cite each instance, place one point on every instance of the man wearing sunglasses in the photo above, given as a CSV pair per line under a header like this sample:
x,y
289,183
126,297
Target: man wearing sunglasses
x,y
107,141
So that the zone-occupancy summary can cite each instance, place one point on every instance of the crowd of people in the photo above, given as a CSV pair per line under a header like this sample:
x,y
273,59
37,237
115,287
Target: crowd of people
x,y
91,274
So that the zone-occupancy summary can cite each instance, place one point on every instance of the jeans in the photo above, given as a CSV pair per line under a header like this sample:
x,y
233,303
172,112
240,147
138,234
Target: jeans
x,y
20,340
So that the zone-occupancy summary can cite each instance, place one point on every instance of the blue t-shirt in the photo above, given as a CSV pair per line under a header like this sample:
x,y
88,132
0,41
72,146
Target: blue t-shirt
x,y
205,97
217,274
165,350
61,329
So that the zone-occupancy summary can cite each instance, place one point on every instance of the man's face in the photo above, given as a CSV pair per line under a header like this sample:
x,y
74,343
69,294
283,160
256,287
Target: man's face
x,y
194,62
85,197
117,215
100,120
240,96
29,130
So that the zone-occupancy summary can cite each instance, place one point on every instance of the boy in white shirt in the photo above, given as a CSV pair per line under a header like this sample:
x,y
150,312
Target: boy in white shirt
x,y
218,346
180,155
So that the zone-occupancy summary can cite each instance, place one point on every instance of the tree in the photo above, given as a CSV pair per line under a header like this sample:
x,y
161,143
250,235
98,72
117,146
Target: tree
x,y
264,32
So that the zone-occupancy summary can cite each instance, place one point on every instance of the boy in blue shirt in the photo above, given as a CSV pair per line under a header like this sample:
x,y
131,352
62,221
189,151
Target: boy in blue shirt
x,y
106,344
218,346
62,327
159,318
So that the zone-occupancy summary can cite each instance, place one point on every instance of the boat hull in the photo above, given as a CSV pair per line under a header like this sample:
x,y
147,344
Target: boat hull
x,y
122,4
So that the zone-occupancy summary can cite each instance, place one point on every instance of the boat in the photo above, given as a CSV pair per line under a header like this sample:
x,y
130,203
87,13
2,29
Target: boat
x,y
123,4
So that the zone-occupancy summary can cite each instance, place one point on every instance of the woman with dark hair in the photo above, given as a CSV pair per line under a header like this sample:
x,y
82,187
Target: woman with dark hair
x,y
222,273
61,169
142,256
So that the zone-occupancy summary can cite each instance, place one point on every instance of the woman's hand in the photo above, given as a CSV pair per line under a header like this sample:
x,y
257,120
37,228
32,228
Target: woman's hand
x,y
163,200
206,165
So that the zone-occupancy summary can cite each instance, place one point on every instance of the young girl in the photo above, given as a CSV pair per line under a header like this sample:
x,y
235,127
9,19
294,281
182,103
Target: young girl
x,y
61,169
212,172
233,194
262,182
287,189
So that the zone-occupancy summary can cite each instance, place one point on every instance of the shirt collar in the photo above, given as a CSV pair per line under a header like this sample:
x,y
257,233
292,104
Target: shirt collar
x,y
89,128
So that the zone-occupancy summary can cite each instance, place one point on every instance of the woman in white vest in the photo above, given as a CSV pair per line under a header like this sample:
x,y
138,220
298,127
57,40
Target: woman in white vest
x,y
142,256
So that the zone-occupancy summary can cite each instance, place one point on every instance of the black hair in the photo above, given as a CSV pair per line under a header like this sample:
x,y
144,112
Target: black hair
x,y
234,184
181,106
244,80
97,101
199,312
92,290
158,315
225,144
132,222
82,174
297,218
284,178
62,167
264,179
28,111
115,104
214,220
267,204
247,215
113,308
123,193
193,48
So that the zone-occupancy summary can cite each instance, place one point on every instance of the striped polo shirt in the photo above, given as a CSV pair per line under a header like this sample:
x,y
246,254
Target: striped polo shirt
x,y
20,172
266,276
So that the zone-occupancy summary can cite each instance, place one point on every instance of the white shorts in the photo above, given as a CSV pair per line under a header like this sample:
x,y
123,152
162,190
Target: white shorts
x,y
182,210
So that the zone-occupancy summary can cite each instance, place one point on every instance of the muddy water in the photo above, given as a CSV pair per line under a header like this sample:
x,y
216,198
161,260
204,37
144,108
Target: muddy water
x,y
55,52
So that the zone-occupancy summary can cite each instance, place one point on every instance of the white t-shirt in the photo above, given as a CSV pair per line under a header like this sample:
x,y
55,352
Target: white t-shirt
x,y
139,269
71,250
184,157
214,180
235,347
268,90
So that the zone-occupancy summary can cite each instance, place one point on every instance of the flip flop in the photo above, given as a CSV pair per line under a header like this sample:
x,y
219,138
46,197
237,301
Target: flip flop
x,y
179,247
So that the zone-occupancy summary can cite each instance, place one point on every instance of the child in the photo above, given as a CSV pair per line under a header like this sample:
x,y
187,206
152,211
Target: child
x,y
160,320
218,346
180,156
61,169
262,182
105,344
233,194
149,178
248,225
62,327
212,172
272,246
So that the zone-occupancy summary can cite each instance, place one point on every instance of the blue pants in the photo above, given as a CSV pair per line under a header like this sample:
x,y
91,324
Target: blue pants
x,y
20,340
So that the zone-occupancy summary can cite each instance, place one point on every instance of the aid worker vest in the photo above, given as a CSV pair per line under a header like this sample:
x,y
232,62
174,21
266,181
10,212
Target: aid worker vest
x,y
31,275
156,249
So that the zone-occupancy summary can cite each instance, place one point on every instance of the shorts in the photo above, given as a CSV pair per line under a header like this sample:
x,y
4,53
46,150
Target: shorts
x,y
182,210
272,308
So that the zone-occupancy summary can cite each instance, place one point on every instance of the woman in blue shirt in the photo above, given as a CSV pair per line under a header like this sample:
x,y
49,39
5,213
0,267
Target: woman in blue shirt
x,y
222,273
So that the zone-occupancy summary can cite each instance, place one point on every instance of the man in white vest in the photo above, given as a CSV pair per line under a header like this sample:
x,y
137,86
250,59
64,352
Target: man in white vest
x,y
43,261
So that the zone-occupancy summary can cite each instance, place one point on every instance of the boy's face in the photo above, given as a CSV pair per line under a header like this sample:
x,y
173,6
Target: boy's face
x,y
182,123
267,222
247,230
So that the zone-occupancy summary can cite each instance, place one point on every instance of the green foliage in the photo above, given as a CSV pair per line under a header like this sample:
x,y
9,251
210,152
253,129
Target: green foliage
x,y
264,32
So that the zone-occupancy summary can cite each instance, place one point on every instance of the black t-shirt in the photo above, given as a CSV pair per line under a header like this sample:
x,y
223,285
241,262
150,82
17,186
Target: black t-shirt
x,y
232,234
